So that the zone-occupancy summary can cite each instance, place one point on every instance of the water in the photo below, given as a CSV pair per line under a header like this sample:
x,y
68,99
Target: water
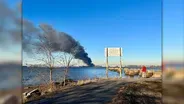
x,y
10,76
35,76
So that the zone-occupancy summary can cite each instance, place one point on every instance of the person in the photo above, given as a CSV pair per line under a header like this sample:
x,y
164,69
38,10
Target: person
x,y
143,69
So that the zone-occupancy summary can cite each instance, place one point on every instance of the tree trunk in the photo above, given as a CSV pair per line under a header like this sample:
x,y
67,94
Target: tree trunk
x,y
64,82
64,77
50,76
50,84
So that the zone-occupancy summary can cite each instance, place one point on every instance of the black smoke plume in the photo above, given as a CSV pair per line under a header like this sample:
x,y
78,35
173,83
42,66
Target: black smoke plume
x,y
57,41
10,24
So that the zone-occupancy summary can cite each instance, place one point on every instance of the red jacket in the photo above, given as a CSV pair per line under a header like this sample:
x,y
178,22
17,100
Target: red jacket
x,y
143,69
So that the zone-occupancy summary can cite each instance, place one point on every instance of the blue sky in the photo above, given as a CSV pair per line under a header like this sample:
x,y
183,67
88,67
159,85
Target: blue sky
x,y
173,31
134,25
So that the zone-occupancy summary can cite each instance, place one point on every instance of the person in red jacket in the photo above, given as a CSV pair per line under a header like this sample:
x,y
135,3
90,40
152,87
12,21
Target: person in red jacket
x,y
143,68
143,71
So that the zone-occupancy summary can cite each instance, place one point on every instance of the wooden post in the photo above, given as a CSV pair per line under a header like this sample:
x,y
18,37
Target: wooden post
x,y
120,64
107,66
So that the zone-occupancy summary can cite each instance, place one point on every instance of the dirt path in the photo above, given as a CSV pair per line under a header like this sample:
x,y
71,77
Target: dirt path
x,y
94,93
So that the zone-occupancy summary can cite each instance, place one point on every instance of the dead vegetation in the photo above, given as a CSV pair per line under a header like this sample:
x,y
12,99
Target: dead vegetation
x,y
56,88
139,93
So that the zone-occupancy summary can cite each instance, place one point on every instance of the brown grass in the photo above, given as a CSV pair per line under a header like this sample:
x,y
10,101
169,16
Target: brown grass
x,y
139,93
56,88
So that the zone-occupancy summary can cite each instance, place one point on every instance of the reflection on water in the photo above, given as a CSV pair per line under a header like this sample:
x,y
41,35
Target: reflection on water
x,y
10,76
37,76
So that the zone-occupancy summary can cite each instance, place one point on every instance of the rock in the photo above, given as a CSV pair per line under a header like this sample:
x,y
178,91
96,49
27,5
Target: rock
x,y
149,73
25,93
33,93
136,71
131,73
126,72
9,99
125,69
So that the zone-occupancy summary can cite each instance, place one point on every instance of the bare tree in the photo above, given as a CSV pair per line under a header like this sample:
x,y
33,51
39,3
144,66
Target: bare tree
x,y
65,60
43,50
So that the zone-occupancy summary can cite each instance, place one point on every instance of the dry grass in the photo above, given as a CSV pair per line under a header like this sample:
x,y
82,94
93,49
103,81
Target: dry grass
x,y
139,93
56,88
84,82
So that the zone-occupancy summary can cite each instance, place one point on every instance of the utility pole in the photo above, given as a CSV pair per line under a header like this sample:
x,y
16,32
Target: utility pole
x,y
107,65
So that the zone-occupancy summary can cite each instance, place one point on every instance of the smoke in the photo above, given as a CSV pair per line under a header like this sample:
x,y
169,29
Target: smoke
x,y
10,32
54,40
10,27
10,24
29,33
